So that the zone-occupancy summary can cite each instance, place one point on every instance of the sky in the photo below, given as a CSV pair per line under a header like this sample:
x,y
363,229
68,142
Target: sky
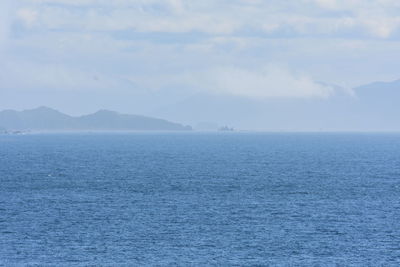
x,y
136,56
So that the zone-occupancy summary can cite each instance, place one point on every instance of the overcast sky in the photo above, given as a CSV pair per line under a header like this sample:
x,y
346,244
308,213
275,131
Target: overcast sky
x,y
80,55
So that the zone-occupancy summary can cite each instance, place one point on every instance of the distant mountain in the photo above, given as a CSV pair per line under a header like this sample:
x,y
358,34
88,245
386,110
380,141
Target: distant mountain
x,y
47,119
371,107
379,92
393,86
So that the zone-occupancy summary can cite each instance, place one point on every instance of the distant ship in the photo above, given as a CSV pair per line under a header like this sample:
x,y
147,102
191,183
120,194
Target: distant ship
x,y
226,129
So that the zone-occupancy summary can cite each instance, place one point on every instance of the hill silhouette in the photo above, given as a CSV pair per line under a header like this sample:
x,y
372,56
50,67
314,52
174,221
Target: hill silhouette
x,y
47,119
370,107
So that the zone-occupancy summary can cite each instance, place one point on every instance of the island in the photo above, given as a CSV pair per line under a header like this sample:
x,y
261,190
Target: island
x,y
47,119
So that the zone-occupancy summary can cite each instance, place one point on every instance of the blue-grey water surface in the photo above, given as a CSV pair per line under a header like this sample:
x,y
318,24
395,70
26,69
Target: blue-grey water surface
x,y
227,199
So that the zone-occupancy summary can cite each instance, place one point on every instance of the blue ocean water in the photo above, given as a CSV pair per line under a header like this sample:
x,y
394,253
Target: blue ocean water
x,y
190,199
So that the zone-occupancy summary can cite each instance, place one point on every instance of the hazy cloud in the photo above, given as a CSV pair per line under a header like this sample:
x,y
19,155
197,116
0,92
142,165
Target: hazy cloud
x,y
6,9
373,18
28,16
264,82
217,46
25,76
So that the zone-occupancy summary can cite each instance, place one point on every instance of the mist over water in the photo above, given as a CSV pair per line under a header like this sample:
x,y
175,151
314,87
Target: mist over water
x,y
200,199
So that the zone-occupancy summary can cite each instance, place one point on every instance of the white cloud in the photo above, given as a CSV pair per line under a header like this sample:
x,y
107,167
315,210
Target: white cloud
x,y
28,16
133,18
317,36
266,82
330,4
374,18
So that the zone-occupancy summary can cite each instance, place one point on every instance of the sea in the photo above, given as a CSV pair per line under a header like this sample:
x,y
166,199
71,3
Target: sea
x,y
200,199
